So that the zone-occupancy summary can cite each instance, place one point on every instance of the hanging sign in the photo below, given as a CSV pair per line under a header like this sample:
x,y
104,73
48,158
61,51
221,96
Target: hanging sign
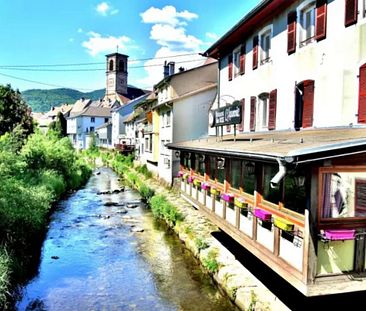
x,y
227,115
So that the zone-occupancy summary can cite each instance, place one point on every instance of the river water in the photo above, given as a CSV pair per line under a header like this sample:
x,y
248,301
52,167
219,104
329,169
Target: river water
x,y
92,259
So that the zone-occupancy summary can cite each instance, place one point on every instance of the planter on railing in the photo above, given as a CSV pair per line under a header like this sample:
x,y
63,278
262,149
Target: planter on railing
x,y
339,235
197,182
185,176
228,197
205,186
283,224
215,191
262,214
240,202
190,179
180,174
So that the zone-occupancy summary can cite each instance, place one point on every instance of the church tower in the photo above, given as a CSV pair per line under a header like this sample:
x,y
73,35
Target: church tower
x,y
116,74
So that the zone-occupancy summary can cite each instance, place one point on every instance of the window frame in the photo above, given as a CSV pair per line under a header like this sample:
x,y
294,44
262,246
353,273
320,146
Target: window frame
x,y
236,62
265,51
92,119
262,114
308,6
340,222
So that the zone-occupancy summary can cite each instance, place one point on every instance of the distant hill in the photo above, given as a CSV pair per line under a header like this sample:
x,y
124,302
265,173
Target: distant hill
x,y
43,100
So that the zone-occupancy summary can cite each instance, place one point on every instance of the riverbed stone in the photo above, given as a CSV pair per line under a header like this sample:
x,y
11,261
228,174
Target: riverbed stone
x,y
137,229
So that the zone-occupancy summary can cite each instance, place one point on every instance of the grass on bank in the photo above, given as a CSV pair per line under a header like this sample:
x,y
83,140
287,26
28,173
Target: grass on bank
x,y
33,176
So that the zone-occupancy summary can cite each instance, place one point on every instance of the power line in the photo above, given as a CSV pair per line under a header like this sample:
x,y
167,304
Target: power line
x,y
97,63
89,69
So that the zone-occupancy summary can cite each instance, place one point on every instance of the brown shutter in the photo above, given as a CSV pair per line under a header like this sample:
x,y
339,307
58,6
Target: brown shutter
x,y
350,16
291,32
241,125
362,95
230,67
321,20
255,52
272,110
308,104
242,59
253,101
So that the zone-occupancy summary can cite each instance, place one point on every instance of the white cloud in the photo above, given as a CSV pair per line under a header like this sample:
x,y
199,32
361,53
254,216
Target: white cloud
x,y
167,15
212,36
98,44
105,9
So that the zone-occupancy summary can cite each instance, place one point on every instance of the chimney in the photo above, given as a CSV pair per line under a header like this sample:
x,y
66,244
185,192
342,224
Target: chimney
x,y
171,68
166,70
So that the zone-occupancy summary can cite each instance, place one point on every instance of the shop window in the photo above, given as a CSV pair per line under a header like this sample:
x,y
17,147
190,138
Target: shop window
x,y
271,194
295,196
235,173
343,194
249,177
201,164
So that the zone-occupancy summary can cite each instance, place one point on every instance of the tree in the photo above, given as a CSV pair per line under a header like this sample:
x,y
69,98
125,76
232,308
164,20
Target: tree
x,y
14,111
60,125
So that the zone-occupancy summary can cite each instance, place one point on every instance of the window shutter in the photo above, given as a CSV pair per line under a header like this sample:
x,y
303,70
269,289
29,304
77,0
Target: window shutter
x,y
230,67
362,95
241,125
272,110
321,20
255,52
350,16
308,104
242,59
291,32
253,102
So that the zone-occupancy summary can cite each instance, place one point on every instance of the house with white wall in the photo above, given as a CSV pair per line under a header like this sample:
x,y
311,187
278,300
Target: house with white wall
x,y
283,169
182,105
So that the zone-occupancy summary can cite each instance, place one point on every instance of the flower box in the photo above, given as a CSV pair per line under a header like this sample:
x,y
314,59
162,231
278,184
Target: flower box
x,y
240,202
197,182
227,197
215,191
190,179
337,235
205,186
262,214
283,224
185,176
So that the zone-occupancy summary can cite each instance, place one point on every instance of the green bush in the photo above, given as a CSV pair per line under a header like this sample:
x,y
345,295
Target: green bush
x,y
5,263
146,192
144,170
201,244
210,262
162,209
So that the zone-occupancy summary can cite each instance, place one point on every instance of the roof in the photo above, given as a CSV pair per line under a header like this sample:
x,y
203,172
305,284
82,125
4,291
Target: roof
x,y
290,145
133,102
109,123
92,111
260,15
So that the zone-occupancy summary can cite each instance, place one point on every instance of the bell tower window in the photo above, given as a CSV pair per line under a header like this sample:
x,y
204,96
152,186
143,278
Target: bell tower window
x,y
111,65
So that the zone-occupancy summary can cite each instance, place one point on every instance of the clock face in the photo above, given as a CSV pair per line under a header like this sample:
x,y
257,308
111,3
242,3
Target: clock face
x,y
110,82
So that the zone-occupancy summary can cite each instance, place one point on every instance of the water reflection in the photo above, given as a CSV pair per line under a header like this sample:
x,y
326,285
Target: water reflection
x,y
91,260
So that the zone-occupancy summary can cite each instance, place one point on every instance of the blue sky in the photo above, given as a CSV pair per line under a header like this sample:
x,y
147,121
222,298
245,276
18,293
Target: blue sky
x,y
45,32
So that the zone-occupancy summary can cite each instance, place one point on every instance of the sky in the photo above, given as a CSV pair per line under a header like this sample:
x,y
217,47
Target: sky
x,y
40,37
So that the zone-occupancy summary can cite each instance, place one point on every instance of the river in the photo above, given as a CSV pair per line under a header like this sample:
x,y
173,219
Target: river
x,y
93,260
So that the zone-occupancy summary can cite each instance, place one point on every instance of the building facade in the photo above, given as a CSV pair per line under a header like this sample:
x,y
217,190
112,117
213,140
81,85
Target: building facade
x,y
284,167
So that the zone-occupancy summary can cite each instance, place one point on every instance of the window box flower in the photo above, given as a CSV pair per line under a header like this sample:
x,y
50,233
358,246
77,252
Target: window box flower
x,y
180,174
227,197
262,214
197,182
185,176
215,191
190,179
240,202
205,186
338,235
283,224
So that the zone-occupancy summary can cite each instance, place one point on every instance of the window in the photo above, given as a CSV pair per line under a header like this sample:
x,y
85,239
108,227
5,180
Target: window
x,y
291,32
168,118
147,144
111,65
106,120
150,142
265,44
230,67
255,52
304,104
262,120
253,104
235,173
92,129
236,61
92,119
121,66
307,23
343,193
270,194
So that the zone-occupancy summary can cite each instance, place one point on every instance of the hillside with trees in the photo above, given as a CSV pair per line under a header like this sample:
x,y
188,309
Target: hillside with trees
x,y
43,100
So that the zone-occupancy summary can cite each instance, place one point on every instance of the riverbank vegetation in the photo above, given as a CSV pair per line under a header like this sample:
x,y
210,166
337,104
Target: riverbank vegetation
x,y
35,170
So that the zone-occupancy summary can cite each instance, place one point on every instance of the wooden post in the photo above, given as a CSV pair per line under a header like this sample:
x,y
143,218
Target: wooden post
x,y
360,251
204,197
276,241
305,253
224,210
190,189
213,199
237,217
257,200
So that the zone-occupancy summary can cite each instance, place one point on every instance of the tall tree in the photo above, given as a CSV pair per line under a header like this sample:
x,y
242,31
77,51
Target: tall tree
x,y
14,111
